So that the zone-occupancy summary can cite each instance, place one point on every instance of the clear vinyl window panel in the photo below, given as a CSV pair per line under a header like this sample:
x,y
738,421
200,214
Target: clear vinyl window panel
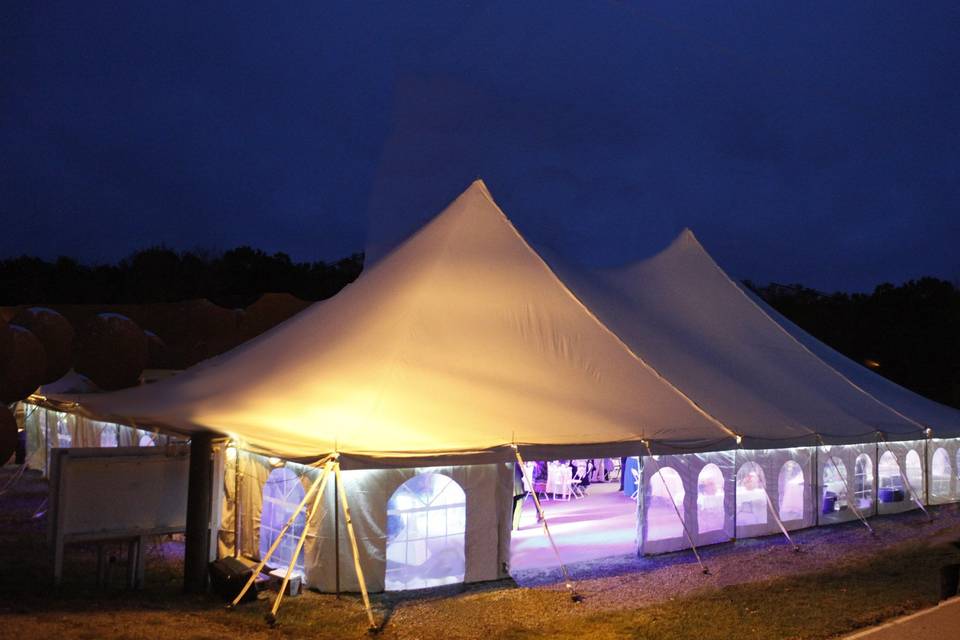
x,y
863,481
834,483
940,474
146,440
426,524
914,470
890,482
666,490
282,494
790,489
751,495
710,510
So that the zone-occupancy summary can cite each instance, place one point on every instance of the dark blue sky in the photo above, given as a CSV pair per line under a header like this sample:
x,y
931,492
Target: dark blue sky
x,y
806,142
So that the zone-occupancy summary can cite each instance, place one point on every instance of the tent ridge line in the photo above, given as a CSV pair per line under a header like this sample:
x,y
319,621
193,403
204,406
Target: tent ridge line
x,y
802,346
710,417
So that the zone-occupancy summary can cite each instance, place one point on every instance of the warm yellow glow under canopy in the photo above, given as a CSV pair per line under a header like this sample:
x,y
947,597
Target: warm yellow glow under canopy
x,y
458,344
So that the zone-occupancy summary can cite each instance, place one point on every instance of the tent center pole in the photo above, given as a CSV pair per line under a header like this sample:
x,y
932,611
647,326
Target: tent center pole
x,y
196,551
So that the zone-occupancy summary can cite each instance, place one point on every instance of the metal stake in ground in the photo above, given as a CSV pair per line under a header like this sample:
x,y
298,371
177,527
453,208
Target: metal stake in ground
x,y
683,523
576,597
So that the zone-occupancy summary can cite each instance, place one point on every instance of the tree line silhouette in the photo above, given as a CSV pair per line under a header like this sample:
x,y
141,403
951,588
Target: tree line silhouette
x,y
908,333
234,278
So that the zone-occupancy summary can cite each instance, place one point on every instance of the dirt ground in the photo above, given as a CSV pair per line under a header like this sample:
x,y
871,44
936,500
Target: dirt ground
x,y
843,579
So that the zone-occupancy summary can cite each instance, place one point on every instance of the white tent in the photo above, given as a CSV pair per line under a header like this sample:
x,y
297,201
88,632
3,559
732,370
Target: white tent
x,y
463,343
458,346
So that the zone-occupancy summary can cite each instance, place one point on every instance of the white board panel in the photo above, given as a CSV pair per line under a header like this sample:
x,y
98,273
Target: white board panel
x,y
104,492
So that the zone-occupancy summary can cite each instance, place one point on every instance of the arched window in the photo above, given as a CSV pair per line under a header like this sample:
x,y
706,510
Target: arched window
x,y
834,496
426,522
282,493
863,481
940,474
662,520
146,440
108,435
790,485
710,511
889,480
914,470
751,495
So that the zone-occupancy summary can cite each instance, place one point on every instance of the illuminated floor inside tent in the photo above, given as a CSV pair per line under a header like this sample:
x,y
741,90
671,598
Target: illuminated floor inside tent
x,y
601,524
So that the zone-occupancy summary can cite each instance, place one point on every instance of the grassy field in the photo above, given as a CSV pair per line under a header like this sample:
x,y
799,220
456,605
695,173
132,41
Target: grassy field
x,y
819,604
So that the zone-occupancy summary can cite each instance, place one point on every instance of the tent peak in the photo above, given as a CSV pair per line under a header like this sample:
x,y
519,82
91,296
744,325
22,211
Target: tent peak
x,y
481,186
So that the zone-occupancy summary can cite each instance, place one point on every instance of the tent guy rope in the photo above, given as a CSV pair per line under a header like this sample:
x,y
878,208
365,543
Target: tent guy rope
x,y
576,597
683,523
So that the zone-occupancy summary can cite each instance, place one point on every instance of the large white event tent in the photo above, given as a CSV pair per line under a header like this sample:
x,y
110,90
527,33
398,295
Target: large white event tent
x,y
463,345
459,345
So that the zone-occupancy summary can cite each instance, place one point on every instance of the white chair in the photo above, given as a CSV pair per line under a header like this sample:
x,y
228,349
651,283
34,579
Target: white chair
x,y
636,484
576,482
615,474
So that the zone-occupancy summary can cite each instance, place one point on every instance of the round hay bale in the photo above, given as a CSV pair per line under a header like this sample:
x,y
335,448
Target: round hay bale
x,y
111,351
24,369
55,333
8,434
269,311
158,355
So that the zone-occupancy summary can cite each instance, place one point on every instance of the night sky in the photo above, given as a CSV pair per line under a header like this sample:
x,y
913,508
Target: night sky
x,y
806,142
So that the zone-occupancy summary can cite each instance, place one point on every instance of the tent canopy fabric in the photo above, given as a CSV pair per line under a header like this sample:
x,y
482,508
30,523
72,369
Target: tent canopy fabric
x,y
743,363
459,344
944,421
464,342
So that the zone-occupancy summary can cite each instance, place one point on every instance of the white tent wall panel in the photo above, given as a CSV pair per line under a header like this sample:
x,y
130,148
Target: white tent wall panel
x,y
488,490
907,454
49,429
753,517
660,532
943,470
836,483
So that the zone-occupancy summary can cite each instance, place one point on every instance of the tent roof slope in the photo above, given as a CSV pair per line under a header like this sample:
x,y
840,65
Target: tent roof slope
x,y
942,420
459,344
681,313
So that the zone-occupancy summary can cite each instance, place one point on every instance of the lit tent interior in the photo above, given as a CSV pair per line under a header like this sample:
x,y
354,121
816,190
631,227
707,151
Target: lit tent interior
x,y
463,343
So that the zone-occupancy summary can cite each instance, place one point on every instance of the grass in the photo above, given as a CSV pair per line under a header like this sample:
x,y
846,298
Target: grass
x,y
821,604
